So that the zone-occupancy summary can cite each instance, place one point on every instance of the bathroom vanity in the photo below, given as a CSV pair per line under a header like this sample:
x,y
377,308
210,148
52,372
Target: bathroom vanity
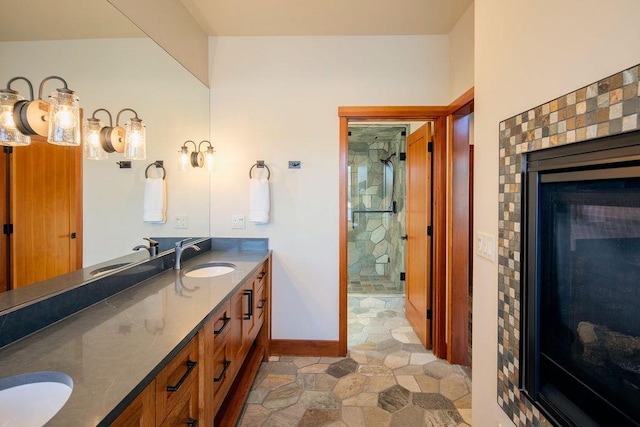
x,y
174,349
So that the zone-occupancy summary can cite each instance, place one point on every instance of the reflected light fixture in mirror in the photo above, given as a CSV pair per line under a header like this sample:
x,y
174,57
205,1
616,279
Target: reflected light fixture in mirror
x,y
58,120
135,146
197,158
100,140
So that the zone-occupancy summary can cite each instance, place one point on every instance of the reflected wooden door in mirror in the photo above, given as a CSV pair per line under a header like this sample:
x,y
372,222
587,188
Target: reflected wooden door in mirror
x,y
42,212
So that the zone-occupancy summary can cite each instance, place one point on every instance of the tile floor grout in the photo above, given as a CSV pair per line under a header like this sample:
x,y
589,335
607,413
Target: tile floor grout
x,y
387,379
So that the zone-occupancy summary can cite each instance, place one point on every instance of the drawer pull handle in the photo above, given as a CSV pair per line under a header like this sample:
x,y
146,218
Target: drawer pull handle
x,y
190,366
226,364
224,325
191,422
249,293
262,274
264,302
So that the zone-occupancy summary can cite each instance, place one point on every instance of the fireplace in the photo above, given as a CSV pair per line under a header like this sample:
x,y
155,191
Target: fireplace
x,y
580,275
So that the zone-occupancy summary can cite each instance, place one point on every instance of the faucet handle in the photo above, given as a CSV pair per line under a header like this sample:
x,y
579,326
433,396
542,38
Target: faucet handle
x,y
179,243
151,241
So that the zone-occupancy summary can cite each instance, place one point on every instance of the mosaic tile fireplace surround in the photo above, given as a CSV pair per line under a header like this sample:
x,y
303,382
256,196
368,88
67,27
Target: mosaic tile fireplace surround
x,y
608,107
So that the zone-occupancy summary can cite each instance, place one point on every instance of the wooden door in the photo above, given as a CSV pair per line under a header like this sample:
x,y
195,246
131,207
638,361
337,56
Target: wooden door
x,y
46,211
418,250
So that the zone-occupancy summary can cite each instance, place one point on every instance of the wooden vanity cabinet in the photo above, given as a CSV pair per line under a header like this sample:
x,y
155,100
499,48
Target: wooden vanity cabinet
x,y
207,382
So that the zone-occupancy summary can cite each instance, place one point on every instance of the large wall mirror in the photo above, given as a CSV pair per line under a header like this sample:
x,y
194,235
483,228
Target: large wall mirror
x,y
111,64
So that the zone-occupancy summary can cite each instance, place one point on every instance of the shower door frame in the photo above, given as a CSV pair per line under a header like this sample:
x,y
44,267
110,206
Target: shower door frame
x,y
437,115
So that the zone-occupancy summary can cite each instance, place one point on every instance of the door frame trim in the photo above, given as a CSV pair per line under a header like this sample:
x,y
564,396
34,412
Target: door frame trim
x,y
437,114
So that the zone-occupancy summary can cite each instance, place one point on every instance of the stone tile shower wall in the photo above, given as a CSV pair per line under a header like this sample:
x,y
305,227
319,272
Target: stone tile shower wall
x,y
607,107
374,246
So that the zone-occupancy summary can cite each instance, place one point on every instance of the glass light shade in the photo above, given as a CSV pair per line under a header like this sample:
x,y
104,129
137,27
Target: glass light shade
x,y
184,159
135,146
64,118
9,134
91,136
209,159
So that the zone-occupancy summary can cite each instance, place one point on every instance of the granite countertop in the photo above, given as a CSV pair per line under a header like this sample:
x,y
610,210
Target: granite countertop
x,y
114,348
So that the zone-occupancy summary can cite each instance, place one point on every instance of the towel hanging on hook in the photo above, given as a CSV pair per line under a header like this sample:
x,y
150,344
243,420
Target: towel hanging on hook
x,y
259,203
155,196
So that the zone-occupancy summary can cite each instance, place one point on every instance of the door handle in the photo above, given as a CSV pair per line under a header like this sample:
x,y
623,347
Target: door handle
x,y
249,293
405,237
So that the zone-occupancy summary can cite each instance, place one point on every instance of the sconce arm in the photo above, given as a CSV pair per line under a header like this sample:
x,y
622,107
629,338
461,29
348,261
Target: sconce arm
x,y
123,110
20,78
65,89
200,144
93,116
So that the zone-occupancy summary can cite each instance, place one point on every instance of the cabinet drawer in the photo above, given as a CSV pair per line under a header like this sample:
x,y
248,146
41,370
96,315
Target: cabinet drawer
x,y
221,322
172,383
261,305
185,410
223,369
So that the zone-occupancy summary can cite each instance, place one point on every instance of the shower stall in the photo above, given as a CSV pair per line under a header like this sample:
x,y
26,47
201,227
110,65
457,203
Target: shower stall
x,y
376,208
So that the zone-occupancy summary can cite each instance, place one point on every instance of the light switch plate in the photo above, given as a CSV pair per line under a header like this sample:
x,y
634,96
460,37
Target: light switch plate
x,y
237,221
486,245
181,221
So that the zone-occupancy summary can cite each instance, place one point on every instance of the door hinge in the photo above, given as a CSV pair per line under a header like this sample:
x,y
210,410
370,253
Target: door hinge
x,y
7,229
429,314
402,276
429,230
430,147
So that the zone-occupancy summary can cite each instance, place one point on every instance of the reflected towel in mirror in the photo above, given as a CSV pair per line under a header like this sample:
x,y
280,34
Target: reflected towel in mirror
x,y
154,201
259,200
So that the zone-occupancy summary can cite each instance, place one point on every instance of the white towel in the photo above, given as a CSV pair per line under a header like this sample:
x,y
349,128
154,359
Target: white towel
x,y
154,201
259,200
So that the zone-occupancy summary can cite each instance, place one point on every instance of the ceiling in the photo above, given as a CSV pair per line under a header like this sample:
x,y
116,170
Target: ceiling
x,y
326,17
85,19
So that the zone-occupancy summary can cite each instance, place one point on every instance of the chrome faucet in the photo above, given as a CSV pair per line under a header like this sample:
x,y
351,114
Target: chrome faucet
x,y
180,247
152,248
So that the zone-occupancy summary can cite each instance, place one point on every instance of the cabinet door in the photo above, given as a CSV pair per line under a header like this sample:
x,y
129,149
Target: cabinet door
x,y
141,412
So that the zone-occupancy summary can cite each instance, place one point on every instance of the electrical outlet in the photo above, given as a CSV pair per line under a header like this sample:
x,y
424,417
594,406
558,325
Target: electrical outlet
x,y
486,245
237,221
181,221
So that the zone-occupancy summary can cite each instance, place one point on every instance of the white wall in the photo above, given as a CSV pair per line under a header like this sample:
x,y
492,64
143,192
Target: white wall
x,y
276,99
527,53
461,55
116,74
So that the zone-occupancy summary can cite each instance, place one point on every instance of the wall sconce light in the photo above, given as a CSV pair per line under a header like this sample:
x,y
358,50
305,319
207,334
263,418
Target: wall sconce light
x,y
58,119
99,140
197,158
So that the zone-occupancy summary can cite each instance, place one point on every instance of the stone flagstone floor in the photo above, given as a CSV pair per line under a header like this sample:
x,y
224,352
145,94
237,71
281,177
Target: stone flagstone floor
x,y
388,379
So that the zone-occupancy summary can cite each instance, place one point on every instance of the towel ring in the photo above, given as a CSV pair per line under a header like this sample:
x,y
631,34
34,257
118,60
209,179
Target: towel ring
x,y
157,165
260,164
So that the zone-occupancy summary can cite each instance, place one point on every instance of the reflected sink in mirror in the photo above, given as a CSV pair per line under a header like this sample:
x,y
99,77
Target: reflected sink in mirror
x,y
33,399
108,269
211,269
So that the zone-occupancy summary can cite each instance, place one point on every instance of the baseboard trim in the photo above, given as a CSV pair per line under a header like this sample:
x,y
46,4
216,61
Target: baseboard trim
x,y
305,348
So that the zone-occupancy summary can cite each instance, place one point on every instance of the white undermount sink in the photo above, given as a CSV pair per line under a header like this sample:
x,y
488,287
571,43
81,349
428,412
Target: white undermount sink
x,y
211,269
30,400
